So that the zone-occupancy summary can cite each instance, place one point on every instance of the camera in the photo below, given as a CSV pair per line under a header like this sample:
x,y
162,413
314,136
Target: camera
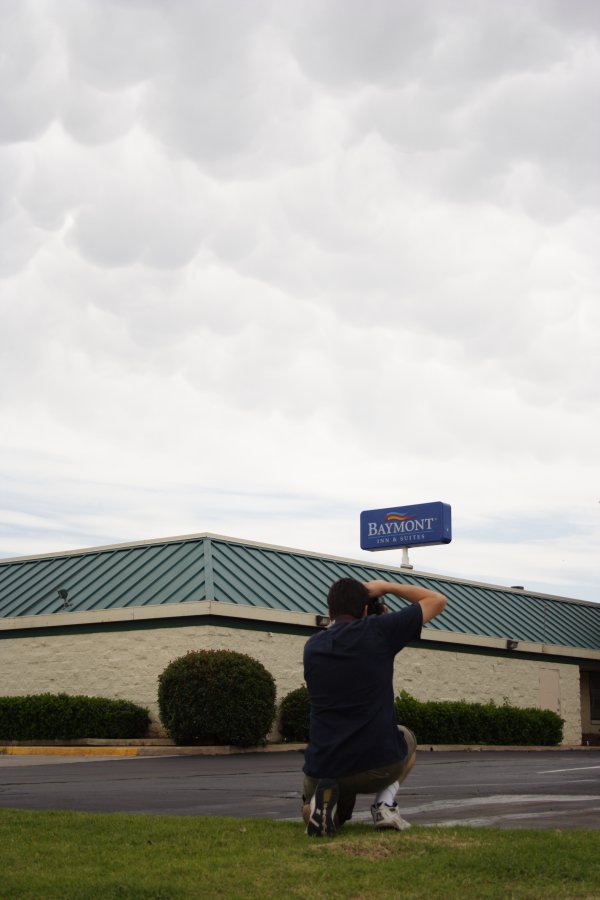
x,y
375,606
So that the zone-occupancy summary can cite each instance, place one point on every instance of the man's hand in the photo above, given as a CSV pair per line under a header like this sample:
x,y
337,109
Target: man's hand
x,y
377,588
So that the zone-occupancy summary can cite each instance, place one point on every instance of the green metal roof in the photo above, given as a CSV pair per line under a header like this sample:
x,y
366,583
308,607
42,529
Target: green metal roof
x,y
210,567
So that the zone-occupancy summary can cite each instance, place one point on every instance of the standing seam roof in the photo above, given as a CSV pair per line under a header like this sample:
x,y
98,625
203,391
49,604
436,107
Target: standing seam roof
x,y
180,570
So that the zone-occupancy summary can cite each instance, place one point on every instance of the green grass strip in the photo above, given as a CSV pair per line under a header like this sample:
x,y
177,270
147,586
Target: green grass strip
x,y
81,855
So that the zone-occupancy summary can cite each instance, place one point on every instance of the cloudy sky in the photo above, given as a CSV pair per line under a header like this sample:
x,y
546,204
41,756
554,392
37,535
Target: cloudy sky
x,y
267,263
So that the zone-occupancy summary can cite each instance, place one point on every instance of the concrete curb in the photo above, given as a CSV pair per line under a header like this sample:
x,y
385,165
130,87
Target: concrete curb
x,y
515,748
167,748
145,749
69,751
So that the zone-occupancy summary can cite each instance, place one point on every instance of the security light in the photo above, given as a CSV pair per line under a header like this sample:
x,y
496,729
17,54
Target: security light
x,y
64,596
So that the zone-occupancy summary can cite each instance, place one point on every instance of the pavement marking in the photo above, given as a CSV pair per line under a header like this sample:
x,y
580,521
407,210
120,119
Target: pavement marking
x,y
494,820
572,769
439,805
482,785
497,799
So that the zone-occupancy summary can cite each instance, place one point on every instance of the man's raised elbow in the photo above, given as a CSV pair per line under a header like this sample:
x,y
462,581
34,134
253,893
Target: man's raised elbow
x,y
432,605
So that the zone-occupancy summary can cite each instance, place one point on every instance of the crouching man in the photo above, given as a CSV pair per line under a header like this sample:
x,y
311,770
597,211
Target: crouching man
x,y
355,746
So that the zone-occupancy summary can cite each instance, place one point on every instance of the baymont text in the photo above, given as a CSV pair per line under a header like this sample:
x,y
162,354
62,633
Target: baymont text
x,y
407,526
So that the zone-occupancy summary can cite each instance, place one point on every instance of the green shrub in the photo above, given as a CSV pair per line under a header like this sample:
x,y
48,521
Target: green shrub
x,y
294,715
44,717
457,722
217,697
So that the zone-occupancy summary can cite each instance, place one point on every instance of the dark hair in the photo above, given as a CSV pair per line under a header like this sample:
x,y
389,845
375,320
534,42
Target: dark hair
x,y
347,597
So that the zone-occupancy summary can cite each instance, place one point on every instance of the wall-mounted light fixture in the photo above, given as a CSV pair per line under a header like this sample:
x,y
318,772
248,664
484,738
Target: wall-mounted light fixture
x,y
512,645
322,621
64,596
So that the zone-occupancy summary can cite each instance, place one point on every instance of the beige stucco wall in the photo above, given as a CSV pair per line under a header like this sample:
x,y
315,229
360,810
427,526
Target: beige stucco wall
x,y
456,675
127,664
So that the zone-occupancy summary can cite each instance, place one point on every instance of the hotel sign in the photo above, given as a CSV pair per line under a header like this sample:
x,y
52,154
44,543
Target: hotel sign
x,y
405,526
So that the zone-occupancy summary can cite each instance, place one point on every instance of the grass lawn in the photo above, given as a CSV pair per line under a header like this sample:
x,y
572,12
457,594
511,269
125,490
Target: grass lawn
x,y
81,855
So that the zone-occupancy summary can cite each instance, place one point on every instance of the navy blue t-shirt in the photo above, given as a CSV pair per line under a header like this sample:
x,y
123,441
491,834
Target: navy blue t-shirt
x,y
348,669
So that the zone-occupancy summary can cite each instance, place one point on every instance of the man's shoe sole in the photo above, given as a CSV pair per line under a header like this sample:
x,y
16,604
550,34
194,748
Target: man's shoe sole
x,y
323,808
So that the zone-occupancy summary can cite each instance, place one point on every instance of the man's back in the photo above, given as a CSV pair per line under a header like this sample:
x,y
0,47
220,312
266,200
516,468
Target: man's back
x,y
348,670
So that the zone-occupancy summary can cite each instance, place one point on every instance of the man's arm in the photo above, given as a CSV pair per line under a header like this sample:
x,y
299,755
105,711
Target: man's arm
x,y
431,602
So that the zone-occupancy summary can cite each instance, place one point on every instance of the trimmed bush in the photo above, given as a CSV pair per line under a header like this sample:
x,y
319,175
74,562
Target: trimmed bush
x,y
45,717
217,697
457,722
294,715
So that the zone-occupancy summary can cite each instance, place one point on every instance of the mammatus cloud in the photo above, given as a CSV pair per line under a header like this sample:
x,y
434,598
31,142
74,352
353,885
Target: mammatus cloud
x,y
263,265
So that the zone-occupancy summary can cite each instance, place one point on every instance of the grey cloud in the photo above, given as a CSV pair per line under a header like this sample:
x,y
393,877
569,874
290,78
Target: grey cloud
x,y
582,17
535,134
481,43
54,181
119,234
93,116
222,102
142,212
112,44
33,71
412,119
19,241
212,125
550,120
346,43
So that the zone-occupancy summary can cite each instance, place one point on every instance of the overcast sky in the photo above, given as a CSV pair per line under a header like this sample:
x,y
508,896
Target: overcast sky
x,y
267,263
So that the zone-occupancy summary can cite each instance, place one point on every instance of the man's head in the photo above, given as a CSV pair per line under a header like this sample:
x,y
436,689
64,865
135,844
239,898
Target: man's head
x,y
347,597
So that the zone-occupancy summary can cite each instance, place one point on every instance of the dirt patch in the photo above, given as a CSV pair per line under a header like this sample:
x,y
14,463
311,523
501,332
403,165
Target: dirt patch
x,y
374,850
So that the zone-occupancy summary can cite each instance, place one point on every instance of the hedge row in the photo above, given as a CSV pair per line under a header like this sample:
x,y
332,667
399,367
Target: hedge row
x,y
457,722
43,717
454,722
222,697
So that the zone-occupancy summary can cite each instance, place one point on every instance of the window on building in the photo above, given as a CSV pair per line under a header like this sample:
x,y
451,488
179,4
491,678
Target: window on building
x,y
594,681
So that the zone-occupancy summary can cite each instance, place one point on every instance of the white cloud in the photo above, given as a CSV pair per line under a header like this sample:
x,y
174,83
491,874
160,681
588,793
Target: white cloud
x,y
263,265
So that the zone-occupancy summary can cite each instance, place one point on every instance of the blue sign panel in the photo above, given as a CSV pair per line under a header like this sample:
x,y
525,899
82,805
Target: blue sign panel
x,y
405,526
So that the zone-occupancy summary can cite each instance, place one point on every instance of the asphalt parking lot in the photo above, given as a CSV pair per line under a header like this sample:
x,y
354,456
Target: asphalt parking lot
x,y
508,789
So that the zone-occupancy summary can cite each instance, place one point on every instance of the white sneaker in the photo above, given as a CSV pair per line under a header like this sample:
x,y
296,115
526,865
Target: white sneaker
x,y
385,816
